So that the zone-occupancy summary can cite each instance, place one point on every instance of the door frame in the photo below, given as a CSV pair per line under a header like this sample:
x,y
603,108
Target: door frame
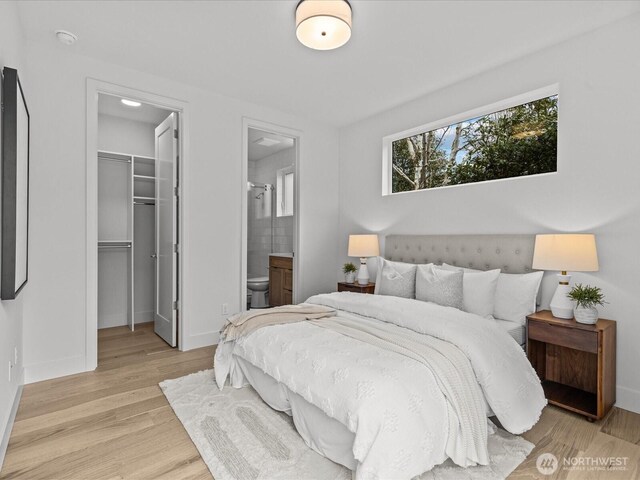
x,y
248,123
94,88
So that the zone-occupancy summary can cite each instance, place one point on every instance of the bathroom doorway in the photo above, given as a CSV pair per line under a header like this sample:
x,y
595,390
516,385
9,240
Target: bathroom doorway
x,y
270,217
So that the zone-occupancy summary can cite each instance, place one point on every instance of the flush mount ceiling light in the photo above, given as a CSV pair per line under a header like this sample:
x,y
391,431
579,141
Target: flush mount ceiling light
x,y
130,103
66,37
266,142
323,24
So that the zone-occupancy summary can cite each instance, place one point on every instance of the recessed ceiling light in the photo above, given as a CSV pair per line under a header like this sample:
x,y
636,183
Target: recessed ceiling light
x,y
266,142
66,37
130,103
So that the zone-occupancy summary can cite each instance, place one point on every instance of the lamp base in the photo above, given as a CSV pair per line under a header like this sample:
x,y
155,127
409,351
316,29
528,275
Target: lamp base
x,y
561,305
363,272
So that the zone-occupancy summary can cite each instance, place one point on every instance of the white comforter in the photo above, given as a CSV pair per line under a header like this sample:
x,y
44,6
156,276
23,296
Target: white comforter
x,y
391,403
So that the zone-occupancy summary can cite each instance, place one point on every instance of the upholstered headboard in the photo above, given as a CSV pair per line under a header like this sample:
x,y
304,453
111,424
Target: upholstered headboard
x,y
510,253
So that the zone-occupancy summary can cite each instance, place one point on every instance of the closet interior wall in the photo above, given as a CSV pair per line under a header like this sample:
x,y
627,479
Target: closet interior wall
x,y
126,221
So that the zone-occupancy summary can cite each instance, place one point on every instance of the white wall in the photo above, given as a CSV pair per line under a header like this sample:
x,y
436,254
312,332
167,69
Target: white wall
x,y
54,325
116,134
595,190
11,55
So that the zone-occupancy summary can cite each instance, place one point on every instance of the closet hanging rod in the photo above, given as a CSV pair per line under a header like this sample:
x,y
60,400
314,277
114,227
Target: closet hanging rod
x,y
114,246
121,160
143,203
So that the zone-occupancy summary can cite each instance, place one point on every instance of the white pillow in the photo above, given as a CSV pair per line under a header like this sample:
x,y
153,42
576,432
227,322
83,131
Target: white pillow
x,y
479,290
516,296
439,286
395,278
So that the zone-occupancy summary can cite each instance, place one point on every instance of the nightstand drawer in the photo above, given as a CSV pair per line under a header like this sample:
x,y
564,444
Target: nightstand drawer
x,y
350,288
356,288
564,336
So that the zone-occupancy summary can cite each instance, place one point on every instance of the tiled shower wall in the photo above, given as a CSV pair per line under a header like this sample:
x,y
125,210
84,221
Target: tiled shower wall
x,y
265,170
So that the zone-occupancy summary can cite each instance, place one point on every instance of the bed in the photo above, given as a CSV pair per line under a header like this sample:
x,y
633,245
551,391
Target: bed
x,y
390,387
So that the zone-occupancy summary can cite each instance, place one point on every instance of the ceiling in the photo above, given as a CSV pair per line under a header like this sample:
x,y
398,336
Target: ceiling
x,y
399,49
111,105
257,151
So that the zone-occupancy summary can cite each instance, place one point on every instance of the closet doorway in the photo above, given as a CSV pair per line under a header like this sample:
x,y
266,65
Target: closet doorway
x,y
137,209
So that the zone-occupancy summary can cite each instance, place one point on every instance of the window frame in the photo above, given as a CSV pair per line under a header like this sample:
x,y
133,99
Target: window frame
x,y
387,141
281,191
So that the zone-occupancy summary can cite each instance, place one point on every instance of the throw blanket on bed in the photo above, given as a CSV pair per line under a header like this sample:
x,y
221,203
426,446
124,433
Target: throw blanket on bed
x,y
397,409
244,323
466,412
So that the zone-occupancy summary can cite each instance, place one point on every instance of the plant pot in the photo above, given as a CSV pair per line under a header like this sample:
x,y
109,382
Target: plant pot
x,y
588,316
350,277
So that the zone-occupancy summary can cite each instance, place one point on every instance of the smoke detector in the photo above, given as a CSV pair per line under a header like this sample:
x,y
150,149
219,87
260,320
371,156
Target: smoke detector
x,y
65,37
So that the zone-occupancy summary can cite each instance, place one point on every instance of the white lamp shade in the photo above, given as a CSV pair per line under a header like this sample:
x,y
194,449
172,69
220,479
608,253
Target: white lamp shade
x,y
574,252
323,24
363,246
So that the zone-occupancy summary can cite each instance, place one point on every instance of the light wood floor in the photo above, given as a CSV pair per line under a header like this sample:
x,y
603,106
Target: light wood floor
x,y
115,423
111,423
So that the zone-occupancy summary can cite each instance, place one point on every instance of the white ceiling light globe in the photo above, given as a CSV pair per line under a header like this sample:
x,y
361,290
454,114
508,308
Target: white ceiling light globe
x,y
130,103
323,24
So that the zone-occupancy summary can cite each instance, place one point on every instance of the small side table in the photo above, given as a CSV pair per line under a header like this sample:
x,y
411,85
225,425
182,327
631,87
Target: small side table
x,y
356,287
575,362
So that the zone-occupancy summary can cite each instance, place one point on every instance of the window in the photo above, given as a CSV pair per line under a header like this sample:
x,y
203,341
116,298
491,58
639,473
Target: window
x,y
511,142
284,192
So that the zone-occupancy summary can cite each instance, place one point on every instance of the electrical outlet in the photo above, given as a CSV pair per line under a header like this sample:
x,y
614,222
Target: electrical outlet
x,y
225,308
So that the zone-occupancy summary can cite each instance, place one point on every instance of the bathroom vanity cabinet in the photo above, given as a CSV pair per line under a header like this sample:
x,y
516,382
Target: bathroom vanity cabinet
x,y
280,280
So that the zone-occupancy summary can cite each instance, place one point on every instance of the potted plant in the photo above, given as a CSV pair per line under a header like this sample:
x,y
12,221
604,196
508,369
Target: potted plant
x,y
586,298
349,270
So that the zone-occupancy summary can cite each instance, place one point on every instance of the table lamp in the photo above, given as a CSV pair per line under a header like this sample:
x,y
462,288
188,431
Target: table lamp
x,y
565,252
363,246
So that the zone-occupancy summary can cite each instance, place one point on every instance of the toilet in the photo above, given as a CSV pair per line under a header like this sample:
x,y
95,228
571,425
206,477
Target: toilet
x,y
259,286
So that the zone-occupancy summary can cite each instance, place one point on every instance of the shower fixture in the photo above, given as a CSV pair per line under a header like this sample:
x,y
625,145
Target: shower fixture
x,y
265,186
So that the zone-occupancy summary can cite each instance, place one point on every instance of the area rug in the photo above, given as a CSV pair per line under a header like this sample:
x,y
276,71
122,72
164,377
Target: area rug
x,y
242,438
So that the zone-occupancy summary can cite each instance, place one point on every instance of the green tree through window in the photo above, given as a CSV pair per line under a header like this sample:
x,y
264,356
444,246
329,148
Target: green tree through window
x,y
514,142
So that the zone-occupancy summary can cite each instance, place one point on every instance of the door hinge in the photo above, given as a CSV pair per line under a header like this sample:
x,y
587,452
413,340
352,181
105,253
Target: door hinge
x,y
176,248
175,305
175,133
176,191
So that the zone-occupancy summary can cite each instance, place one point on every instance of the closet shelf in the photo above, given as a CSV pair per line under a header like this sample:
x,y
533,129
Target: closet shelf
x,y
115,244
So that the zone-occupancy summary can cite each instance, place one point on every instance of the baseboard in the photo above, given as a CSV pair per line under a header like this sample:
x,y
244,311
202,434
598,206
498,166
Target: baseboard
x,y
62,367
628,399
143,317
200,340
109,321
9,426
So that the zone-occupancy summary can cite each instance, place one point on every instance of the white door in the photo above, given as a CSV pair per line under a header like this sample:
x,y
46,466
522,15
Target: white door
x,y
166,308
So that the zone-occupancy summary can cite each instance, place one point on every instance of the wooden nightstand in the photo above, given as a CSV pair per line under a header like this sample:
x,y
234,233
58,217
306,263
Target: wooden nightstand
x,y
576,362
355,287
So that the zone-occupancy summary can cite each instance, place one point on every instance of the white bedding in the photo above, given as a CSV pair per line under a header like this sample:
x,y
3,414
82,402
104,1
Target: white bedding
x,y
514,329
391,404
